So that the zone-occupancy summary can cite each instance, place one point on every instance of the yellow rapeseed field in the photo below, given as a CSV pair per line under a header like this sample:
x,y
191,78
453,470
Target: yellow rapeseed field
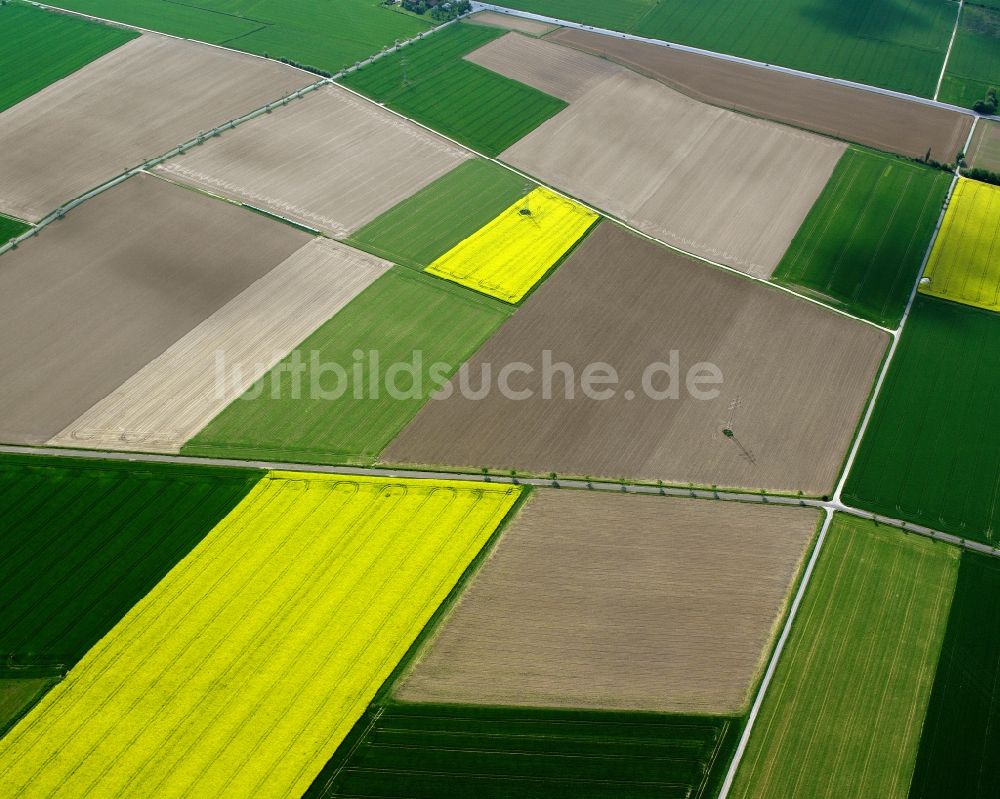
x,y
965,263
242,671
508,255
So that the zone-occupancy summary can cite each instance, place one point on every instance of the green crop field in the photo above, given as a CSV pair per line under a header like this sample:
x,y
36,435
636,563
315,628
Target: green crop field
x,y
974,65
11,228
862,244
842,716
438,217
878,42
409,751
317,33
430,82
931,453
40,47
86,540
312,414
18,695
958,750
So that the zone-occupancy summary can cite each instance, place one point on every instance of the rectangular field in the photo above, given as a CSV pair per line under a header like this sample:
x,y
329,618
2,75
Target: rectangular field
x,y
266,643
39,48
965,263
984,151
330,161
88,539
842,716
931,453
406,751
962,730
430,82
569,610
335,416
153,93
795,378
864,240
974,65
78,317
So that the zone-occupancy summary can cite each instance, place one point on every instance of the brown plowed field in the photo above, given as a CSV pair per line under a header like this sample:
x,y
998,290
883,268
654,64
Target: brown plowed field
x,y
886,123
530,26
133,104
101,293
612,601
796,378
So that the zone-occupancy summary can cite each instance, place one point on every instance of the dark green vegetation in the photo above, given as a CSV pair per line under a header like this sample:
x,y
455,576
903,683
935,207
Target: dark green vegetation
x,y
438,217
961,737
862,244
974,65
430,82
317,33
432,751
880,42
40,47
85,540
329,400
931,453
11,228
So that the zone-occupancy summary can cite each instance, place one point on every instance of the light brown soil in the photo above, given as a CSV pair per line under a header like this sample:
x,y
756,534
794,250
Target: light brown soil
x,y
133,104
330,160
984,150
796,378
101,293
620,602
530,26
173,397
886,123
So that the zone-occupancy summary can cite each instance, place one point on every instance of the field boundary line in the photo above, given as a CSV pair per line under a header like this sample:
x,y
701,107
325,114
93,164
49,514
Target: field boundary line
x,y
947,54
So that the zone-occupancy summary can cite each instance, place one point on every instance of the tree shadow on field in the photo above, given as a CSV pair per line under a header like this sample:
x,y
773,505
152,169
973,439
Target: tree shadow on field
x,y
868,19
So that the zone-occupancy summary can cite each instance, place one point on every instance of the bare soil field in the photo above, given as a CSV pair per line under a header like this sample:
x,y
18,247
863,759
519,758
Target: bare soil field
x,y
622,603
172,398
712,182
101,293
330,160
795,379
885,123
532,27
135,103
984,151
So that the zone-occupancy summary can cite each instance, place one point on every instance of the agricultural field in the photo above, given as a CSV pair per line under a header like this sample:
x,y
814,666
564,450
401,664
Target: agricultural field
x,y
88,539
547,623
266,643
329,160
886,123
708,181
40,48
18,695
508,256
153,92
859,40
842,716
11,228
965,263
430,82
79,317
864,241
318,34
960,734
340,418
174,396
931,453
796,377
974,65
984,151
493,753
508,22
439,216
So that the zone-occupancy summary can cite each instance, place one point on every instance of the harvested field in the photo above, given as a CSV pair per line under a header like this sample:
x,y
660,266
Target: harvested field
x,y
173,397
330,160
266,643
101,293
569,610
965,263
152,94
984,152
529,26
875,120
797,374
843,714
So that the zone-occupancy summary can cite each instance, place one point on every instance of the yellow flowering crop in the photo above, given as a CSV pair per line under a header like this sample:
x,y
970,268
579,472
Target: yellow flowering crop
x,y
243,670
508,255
965,263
